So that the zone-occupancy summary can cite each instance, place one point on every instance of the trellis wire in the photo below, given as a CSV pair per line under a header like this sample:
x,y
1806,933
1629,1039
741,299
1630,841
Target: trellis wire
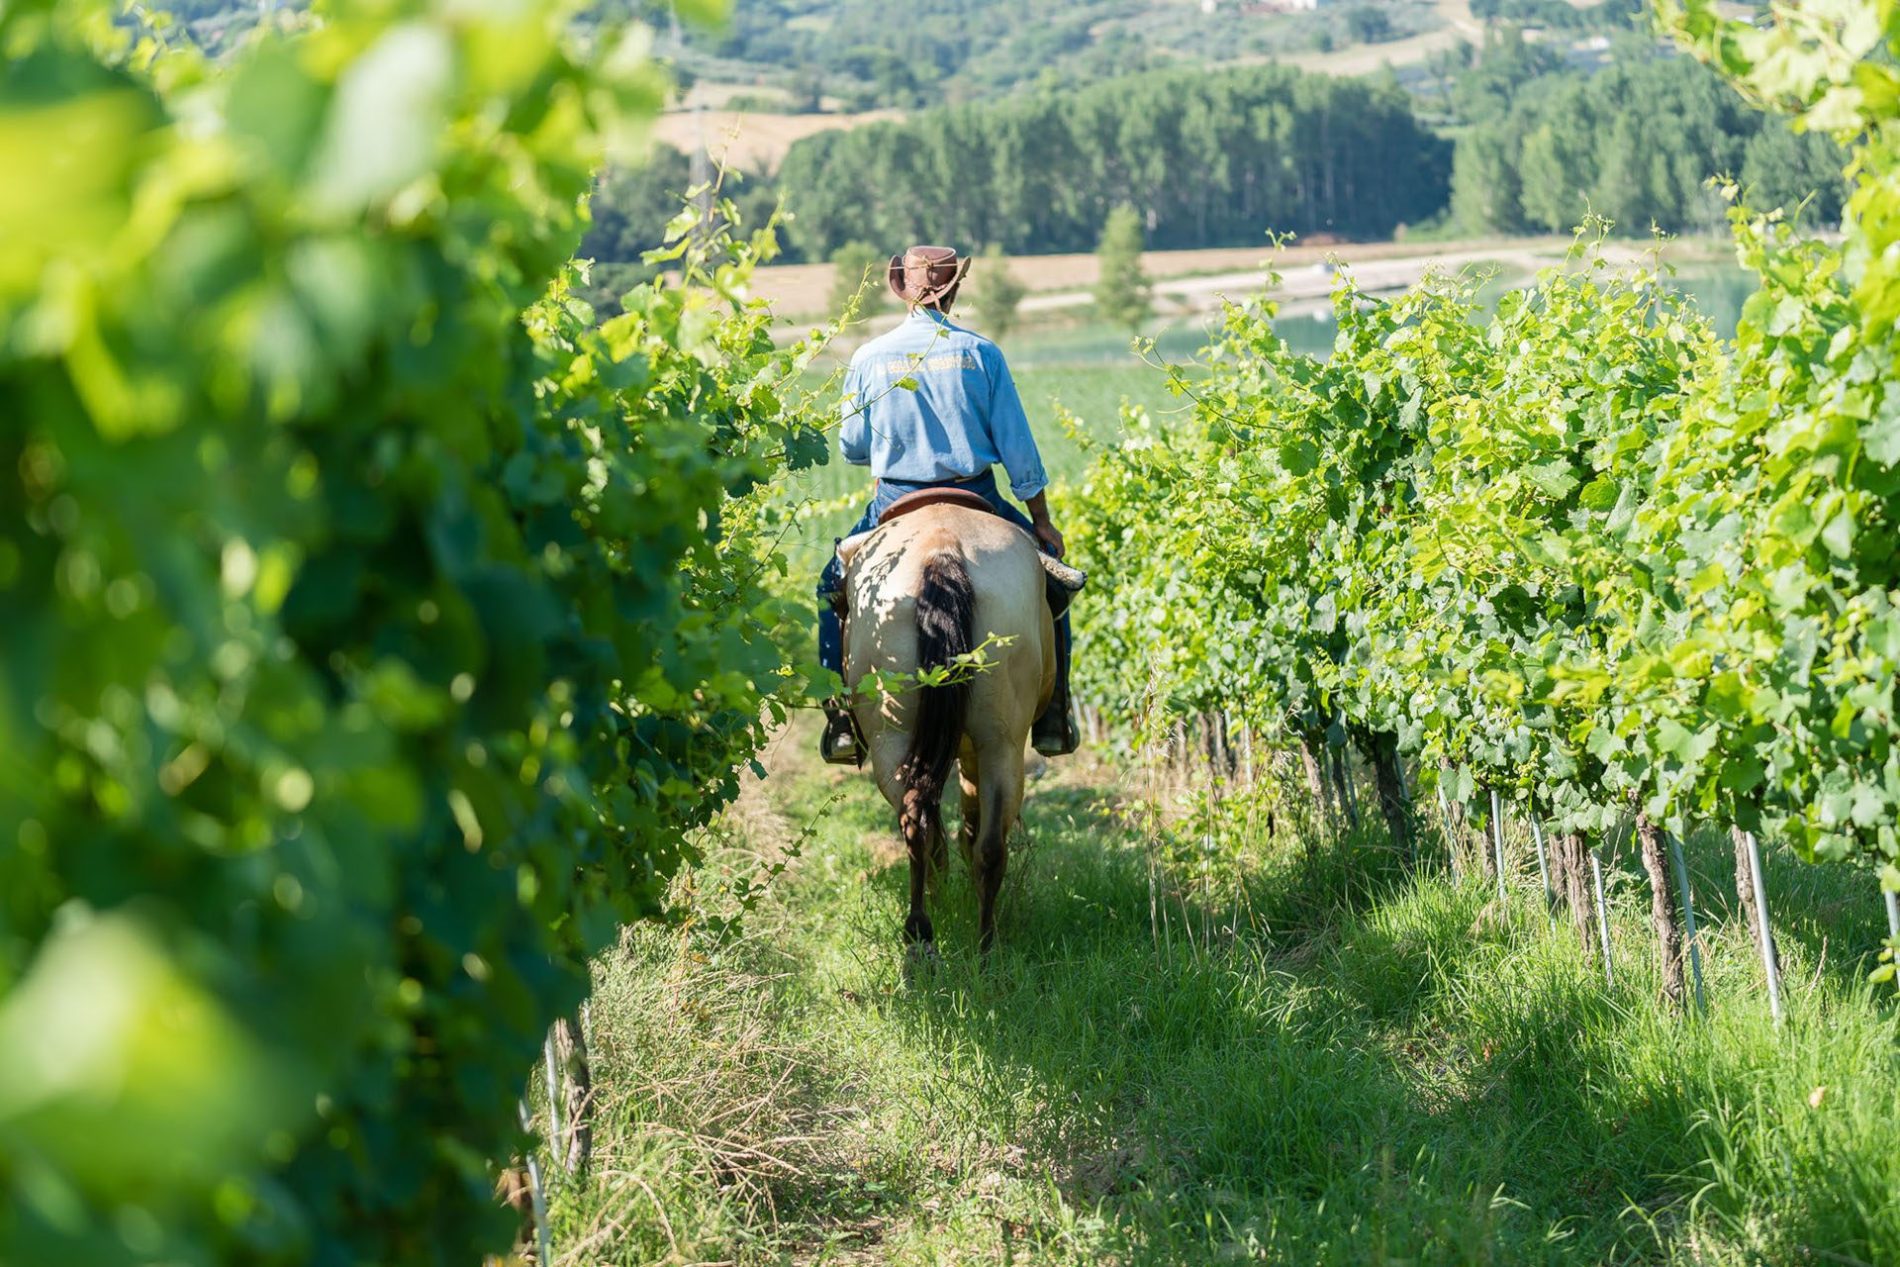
x,y
1543,867
1688,920
1768,959
1603,918
1497,840
1770,964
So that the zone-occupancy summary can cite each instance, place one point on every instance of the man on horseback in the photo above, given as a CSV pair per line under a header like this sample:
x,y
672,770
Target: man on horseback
x,y
932,405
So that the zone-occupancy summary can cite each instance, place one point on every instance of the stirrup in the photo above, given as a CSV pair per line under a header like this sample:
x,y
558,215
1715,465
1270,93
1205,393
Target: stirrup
x,y
1055,733
840,743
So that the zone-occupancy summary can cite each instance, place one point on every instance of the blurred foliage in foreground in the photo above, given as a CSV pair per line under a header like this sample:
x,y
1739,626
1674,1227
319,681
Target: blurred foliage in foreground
x,y
376,626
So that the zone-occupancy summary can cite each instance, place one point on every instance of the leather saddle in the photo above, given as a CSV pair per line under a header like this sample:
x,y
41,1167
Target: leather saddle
x,y
1064,582
934,497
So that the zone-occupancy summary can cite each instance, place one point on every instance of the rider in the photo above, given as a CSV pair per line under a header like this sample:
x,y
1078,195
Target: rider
x,y
932,405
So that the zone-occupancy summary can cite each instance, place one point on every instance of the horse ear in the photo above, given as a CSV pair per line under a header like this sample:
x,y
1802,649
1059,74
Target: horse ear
x,y
849,547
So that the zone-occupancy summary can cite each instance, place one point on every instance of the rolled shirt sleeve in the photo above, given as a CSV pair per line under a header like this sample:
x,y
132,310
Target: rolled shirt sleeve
x,y
1009,432
854,431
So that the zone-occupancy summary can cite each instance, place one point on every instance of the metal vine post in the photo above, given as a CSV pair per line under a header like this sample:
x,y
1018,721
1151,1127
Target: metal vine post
x,y
1603,917
1497,840
1769,963
1543,867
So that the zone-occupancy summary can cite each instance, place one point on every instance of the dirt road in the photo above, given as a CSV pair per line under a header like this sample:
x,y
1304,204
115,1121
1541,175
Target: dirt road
x,y
1311,282
1364,59
1197,280
750,140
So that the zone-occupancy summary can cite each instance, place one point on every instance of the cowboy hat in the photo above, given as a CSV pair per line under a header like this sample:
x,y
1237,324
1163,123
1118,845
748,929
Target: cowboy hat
x,y
925,274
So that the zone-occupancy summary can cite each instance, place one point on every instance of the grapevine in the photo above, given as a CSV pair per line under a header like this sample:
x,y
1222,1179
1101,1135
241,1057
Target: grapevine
x,y
1577,549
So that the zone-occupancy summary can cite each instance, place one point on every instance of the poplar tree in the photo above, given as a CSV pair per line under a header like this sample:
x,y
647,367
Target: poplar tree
x,y
996,292
1122,295
855,266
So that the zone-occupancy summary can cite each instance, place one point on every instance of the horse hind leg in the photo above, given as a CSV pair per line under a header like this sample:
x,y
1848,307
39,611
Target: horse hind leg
x,y
921,827
939,853
1002,799
972,812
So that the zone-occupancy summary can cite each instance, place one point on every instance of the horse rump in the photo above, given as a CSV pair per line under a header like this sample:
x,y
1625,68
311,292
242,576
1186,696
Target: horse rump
x,y
946,621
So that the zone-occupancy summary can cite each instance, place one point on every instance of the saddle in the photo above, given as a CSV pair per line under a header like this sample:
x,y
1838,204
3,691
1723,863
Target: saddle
x,y
934,497
1063,581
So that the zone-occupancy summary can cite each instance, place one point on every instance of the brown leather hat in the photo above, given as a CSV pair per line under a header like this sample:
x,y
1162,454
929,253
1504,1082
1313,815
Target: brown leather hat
x,y
925,274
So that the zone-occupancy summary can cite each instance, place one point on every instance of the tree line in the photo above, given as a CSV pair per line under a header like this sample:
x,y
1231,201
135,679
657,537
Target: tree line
x,y
1220,159
1636,142
1207,159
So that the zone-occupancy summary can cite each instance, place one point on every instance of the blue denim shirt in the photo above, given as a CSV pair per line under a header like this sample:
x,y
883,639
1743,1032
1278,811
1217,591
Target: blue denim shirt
x,y
963,417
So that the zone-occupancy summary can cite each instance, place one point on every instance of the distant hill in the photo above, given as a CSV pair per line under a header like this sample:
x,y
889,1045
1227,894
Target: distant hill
x,y
864,54
851,56
1205,159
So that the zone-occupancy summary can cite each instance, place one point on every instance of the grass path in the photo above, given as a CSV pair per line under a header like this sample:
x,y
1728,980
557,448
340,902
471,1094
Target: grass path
x,y
1200,1043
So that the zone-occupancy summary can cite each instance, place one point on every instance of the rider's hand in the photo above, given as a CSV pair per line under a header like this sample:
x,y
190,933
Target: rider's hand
x,y
1050,538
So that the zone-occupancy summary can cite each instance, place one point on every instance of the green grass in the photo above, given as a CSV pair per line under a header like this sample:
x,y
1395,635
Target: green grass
x,y
1199,1043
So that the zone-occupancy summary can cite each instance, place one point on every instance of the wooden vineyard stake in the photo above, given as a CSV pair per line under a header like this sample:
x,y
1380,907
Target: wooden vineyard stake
x,y
1662,909
1479,835
577,1084
1573,886
1744,885
551,1073
1315,780
1688,922
1348,802
1388,777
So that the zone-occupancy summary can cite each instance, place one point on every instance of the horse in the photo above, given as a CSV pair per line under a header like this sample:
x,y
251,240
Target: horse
x,y
923,590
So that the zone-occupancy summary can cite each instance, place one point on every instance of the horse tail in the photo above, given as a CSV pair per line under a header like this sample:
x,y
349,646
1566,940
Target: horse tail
x,y
946,623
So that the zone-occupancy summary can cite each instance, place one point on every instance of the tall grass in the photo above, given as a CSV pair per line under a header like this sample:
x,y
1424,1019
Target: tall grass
x,y
1200,1042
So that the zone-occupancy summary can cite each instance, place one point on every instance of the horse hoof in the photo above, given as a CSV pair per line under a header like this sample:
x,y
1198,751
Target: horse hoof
x,y
920,957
